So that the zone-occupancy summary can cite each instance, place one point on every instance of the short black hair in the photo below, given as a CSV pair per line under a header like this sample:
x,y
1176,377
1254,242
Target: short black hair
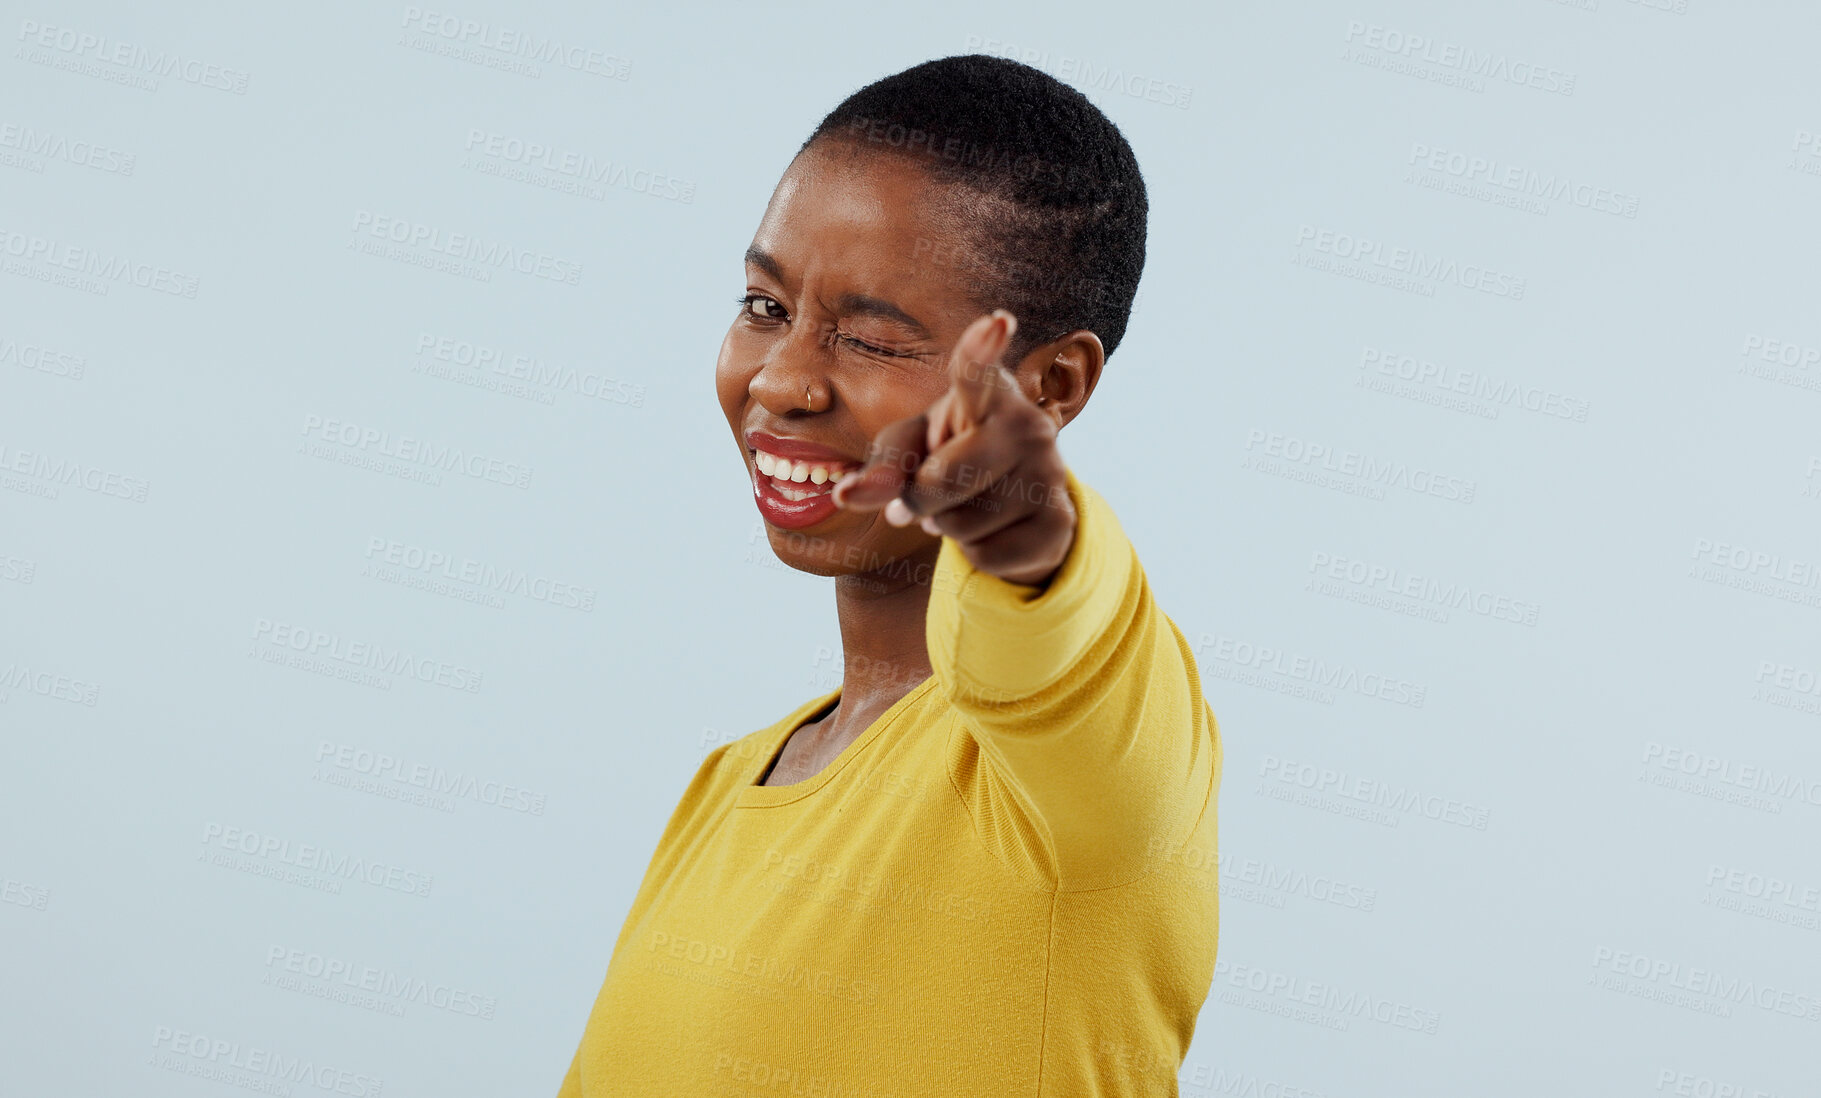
x,y
1057,224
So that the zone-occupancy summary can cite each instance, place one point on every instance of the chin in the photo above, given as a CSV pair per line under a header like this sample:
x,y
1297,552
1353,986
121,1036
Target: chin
x,y
869,565
806,562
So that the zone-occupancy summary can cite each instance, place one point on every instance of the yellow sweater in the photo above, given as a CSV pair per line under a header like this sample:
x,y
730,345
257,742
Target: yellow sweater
x,y
1005,886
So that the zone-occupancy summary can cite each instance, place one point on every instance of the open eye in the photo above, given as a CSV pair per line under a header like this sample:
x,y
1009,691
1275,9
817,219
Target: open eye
x,y
764,306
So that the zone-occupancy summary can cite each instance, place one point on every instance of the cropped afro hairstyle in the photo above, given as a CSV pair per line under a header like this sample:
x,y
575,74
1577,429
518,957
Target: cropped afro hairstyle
x,y
1055,205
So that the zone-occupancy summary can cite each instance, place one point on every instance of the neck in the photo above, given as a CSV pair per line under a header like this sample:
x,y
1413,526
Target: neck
x,y
884,653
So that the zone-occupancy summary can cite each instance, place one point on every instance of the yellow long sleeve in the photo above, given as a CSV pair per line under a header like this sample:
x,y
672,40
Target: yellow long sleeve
x,y
1094,742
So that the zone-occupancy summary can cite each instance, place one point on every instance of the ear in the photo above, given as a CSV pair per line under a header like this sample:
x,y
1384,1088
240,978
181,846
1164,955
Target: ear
x,y
1060,375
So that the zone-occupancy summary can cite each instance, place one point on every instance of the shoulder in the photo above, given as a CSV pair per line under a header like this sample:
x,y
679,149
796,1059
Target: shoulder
x,y
738,755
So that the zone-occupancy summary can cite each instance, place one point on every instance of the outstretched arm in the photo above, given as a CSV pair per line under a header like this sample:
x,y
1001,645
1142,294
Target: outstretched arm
x,y
1088,746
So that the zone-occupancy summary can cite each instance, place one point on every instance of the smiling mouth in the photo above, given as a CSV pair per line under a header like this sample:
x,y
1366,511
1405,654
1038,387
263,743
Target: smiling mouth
x,y
800,480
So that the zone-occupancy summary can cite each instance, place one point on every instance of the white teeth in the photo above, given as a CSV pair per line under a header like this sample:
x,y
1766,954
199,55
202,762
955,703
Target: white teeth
x,y
793,494
799,472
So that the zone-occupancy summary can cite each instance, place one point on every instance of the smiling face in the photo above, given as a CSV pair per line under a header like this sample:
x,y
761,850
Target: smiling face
x,y
857,287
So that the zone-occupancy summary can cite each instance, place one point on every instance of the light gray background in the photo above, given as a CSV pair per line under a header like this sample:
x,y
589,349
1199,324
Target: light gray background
x,y
1646,755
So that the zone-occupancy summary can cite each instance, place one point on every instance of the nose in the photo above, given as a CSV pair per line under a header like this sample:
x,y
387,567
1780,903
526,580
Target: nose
x,y
782,382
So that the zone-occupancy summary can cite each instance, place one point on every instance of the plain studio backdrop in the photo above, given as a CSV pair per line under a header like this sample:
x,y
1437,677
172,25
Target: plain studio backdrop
x,y
1466,424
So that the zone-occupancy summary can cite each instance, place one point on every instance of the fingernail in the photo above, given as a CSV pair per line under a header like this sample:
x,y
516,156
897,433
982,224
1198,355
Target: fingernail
x,y
930,527
897,513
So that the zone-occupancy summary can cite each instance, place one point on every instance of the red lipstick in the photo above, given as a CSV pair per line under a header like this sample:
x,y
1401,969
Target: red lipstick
x,y
813,502
797,449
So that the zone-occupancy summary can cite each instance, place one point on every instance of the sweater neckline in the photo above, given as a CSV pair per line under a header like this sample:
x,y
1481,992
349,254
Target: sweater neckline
x,y
764,796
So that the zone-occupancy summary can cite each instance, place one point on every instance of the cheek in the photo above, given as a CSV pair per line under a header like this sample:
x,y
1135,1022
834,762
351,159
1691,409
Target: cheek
x,y
732,374
878,401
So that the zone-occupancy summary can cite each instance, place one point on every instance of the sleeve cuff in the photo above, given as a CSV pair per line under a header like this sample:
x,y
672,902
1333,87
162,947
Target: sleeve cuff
x,y
1007,640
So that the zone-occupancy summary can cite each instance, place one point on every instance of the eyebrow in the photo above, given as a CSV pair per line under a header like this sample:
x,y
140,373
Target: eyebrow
x,y
852,304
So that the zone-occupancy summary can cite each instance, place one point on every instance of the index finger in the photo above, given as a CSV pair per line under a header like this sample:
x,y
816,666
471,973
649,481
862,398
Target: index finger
x,y
975,373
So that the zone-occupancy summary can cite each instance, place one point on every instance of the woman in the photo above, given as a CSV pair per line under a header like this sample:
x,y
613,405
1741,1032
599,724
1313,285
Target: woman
x,y
963,871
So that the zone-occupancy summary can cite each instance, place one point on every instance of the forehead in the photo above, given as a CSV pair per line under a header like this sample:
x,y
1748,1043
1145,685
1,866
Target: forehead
x,y
844,211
